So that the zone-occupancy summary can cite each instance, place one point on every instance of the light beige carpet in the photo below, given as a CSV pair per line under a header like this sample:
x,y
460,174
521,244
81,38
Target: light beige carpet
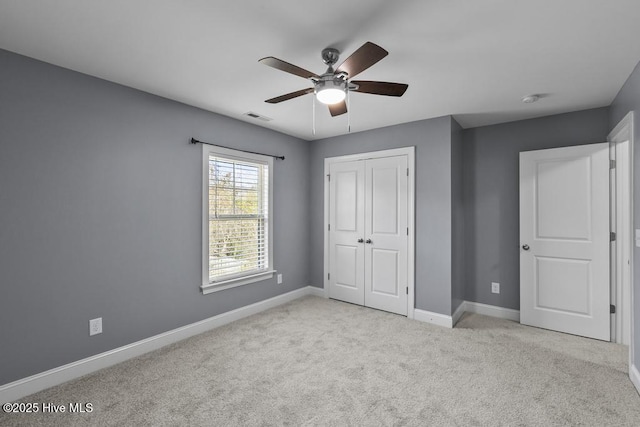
x,y
322,362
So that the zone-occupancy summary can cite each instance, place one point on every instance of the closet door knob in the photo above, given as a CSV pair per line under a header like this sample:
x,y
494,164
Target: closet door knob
x,y
360,240
368,241
525,247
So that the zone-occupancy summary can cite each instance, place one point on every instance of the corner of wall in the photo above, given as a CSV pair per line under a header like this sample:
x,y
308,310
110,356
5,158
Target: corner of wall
x,y
457,218
635,377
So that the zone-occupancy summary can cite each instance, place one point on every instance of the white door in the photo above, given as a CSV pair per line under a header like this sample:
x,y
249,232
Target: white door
x,y
386,234
368,233
346,231
564,240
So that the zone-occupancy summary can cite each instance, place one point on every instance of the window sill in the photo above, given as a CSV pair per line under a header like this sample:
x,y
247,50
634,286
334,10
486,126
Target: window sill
x,y
208,288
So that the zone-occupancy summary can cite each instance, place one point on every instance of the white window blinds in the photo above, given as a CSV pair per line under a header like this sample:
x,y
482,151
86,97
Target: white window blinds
x,y
238,218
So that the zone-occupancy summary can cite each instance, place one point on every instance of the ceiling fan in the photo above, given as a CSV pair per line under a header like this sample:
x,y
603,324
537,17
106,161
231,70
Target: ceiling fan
x,y
331,87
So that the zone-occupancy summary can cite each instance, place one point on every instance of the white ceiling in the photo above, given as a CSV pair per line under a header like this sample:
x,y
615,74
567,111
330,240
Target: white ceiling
x,y
473,59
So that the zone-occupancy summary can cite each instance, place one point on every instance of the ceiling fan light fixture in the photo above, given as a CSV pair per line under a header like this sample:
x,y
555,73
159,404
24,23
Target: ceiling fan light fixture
x,y
331,91
330,96
333,87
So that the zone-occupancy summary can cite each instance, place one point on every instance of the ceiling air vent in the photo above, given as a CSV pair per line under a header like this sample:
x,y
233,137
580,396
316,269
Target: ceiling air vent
x,y
257,116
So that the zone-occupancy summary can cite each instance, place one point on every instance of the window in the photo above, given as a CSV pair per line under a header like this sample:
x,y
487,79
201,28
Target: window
x,y
237,245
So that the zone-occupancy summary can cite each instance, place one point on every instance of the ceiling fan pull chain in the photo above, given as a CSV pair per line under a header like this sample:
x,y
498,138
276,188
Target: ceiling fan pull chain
x,y
348,109
313,115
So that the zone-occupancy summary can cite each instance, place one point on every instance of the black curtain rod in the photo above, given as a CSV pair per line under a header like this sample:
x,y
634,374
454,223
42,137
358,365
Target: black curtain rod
x,y
195,141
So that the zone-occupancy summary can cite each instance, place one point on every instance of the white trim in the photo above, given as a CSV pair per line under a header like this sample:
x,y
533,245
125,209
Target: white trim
x,y
405,151
206,286
26,386
624,131
433,318
492,310
317,291
325,248
466,306
372,154
455,317
204,275
635,376
411,222
237,281
621,143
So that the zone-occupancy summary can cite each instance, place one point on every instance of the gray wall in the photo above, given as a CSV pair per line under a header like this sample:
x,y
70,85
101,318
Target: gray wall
x,y
100,214
457,218
433,201
491,188
628,99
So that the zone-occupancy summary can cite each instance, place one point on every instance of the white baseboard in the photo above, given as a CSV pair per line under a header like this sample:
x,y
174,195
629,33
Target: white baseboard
x,y
314,290
433,318
635,377
458,313
26,386
472,307
492,310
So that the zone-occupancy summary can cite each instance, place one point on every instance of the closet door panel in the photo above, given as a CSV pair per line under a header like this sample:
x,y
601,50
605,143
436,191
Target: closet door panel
x,y
386,234
346,222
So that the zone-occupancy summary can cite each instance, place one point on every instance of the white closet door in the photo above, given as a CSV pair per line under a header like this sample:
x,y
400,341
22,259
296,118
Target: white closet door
x,y
564,238
368,232
346,219
386,234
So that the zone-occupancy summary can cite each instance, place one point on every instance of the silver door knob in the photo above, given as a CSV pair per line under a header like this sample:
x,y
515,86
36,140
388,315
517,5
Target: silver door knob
x,y
360,240
525,247
368,241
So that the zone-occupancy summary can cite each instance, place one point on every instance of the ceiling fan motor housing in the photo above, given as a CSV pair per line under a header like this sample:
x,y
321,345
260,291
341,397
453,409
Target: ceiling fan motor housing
x,y
330,88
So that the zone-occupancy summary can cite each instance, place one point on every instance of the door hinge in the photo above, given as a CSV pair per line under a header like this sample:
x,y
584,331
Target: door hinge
x,y
329,176
612,309
407,231
329,227
612,236
612,164
407,290
328,276
407,171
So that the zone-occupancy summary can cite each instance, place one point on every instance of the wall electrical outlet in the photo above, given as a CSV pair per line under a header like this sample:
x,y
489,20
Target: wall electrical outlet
x,y
95,326
495,287
279,279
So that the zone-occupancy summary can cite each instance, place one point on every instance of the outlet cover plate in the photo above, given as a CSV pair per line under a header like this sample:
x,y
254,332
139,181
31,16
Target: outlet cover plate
x,y
495,287
95,326
279,278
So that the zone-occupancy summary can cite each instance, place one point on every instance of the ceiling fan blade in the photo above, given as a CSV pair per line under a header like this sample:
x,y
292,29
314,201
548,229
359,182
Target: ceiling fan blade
x,y
286,67
380,88
289,96
363,58
338,108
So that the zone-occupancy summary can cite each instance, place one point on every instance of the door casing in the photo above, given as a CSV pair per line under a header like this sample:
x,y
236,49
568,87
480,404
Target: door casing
x,y
410,153
623,133
620,251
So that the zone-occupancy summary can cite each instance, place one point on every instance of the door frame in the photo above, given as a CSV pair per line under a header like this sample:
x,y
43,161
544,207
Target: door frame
x,y
405,151
621,139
